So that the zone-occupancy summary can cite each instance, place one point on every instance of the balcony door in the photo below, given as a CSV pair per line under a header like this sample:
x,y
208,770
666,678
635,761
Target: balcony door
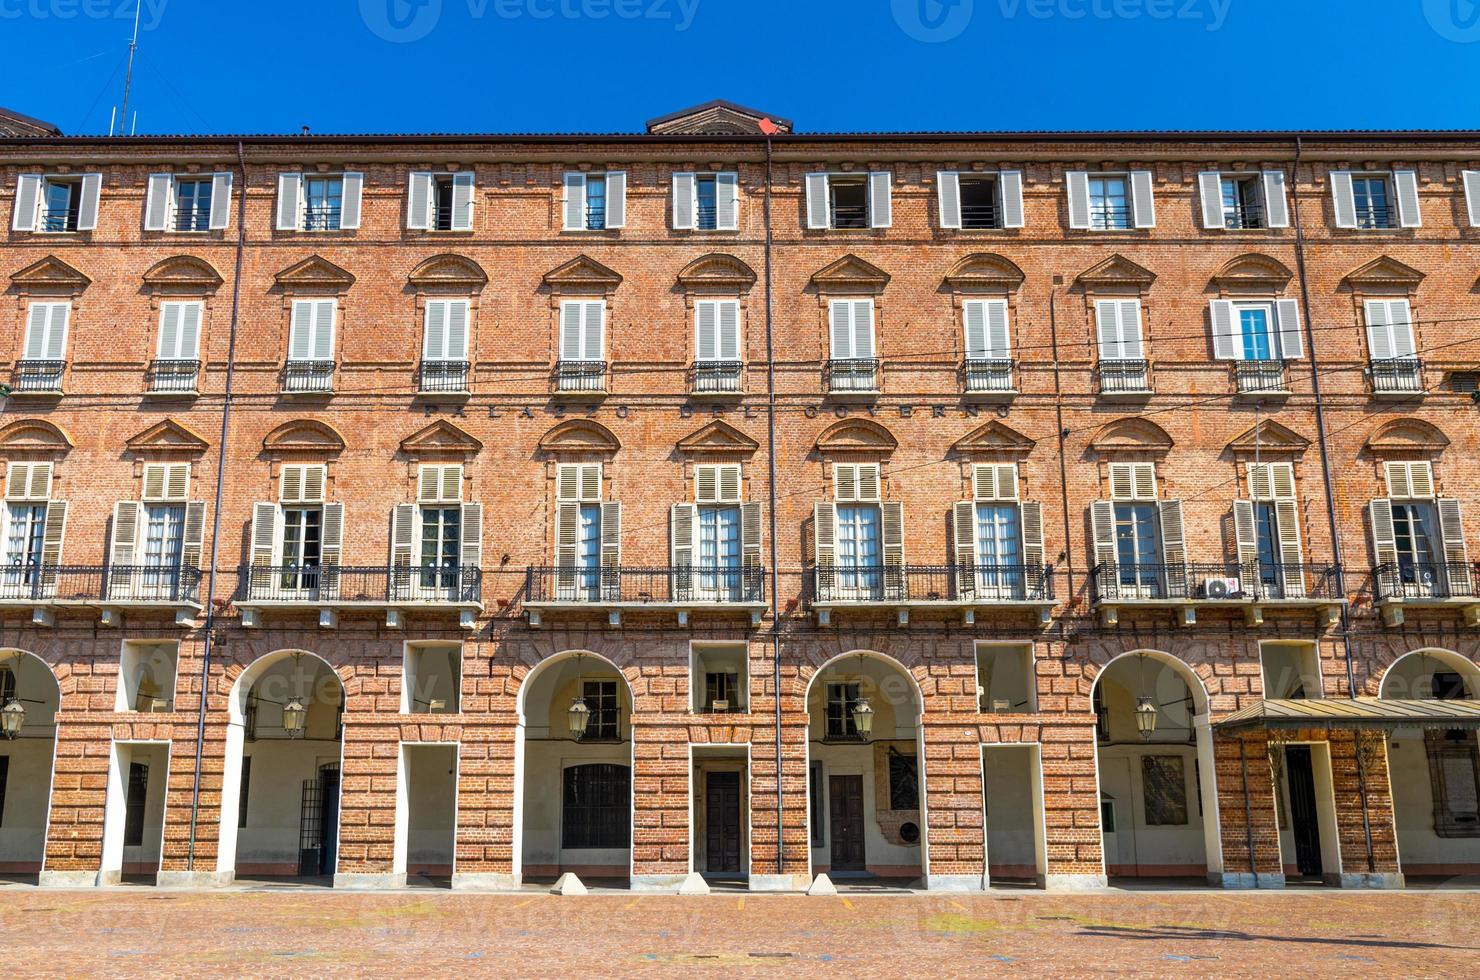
x,y
858,561
24,532
999,552
1256,332
164,540
302,541
719,554
441,544
588,554
1418,563
1138,550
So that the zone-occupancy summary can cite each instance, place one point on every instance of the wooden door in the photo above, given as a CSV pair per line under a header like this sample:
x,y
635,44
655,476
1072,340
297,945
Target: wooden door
x,y
846,808
1304,818
722,821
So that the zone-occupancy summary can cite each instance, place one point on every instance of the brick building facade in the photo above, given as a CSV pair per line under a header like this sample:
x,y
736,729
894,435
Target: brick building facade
x,y
955,507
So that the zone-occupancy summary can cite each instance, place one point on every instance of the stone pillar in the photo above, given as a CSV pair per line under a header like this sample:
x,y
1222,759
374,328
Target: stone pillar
x,y
1248,821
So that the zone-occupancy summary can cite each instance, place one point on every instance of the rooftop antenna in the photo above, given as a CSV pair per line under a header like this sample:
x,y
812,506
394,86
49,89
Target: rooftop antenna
x,y
128,79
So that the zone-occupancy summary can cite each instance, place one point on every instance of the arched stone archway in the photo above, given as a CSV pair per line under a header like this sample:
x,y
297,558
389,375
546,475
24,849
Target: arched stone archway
x,y
27,762
280,790
573,801
1158,792
866,805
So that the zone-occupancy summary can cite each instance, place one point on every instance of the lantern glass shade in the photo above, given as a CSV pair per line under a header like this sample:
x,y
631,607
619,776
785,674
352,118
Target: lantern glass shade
x,y
579,716
863,717
12,719
295,717
1145,717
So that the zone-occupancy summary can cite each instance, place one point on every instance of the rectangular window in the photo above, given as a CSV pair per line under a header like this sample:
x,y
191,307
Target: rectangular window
x,y
1164,782
311,334
840,701
24,532
445,331
848,201
857,569
1454,780
46,331
1109,203
595,202
1138,545
323,202
719,550
722,687
1242,203
61,204
596,807
179,331
581,328
302,538
717,330
815,783
706,196
999,554
192,204
441,537
1119,327
980,201
136,802
1371,197
904,781
1256,335
852,329
164,539
604,723
1413,530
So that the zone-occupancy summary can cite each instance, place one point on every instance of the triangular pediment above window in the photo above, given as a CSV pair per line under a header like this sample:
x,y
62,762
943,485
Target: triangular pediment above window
x,y
717,437
1117,270
1125,436
34,437
717,117
718,271
984,270
1254,269
1269,438
1384,271
580,436
582,272
993,439
304,436
450,271
183,272
440,438
167,437
850,274
1406,437
51,274
856,436
315,272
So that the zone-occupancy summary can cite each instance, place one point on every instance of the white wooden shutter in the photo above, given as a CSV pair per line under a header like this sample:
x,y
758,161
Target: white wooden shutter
x,y
1276,203
434,331
349,212
1132,481
729,330
27,202
266,534
1010,190
575,202
948,191
683,526
192,545
419,200
880,202
684,200
87,207
1405,187
1245,537
845,482
570,331
1143,203
1343,200
1287,516
593,325
403,535
1119,323
470,551
331,548
1077,182
28,481
824,538
290,201
52,540
1034,559
1102,523
323,329
616,199
1456,556
157,200
750,544
46,331
863,328
1210,183
1173,546
706,330
439,484
963,541
1410,481
1225,340
891,545
464,199
124,546
300,331
1384,539
220,200
818,212
986,329
567,542
994,481
611,535
1288,330
303,483
717,483
179,331
869,487
1389,329
841,329
727,201
1472,196
166,482
974,319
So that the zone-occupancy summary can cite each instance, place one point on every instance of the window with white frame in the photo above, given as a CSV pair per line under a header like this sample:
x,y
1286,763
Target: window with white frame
x,y
437,542
188,202
1389,329
1111,201
1376,200
706,201
595,201
849,200
445,330
582,330
57,203
1418,537
297,540
717,330
34,528
858,538
1118,324
179,330
851,329
1256,330
440,202
319,201
1138,538
311,333
155,539
588,534
980,200
998,538
716,540
1267,532
46,331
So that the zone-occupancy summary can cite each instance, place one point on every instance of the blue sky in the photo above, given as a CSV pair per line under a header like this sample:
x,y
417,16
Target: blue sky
x,y
608,65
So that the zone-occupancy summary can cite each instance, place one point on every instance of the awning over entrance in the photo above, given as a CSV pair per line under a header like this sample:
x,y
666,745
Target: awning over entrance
x,y
1354,713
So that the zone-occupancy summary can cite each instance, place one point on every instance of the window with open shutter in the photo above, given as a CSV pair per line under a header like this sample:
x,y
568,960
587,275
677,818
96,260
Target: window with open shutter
x,y
1119,326
948,193
1472,196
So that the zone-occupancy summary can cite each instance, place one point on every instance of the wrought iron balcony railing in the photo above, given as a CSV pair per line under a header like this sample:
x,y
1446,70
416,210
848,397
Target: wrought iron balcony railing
x,y
1424,580
706,217
595,217
849,215
1241,216
1109,217
325,217
580,376
58,219
311,377
173,376
980,216
930,583
1125,377
193,219
370,585
852,374
443,376
100,584
39,376
1213,581
443,216
1260,377
987,375
1396,375
697,585
717,377
1376,216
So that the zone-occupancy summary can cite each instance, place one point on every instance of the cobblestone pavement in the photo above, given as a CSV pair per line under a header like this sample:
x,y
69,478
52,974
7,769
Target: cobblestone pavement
x,y
140,931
